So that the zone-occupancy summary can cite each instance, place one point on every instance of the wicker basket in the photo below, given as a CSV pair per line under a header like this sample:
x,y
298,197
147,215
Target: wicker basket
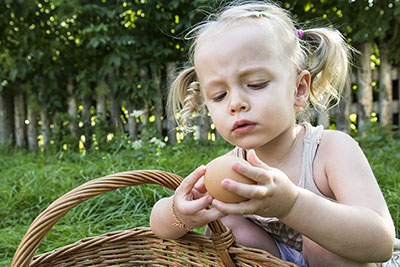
x,y
138,246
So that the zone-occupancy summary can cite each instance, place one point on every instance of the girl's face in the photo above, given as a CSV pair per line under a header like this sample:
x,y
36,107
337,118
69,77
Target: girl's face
x,y
248,85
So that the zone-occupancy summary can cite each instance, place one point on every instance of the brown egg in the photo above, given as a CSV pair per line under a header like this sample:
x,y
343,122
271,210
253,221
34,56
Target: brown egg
x,y
221,168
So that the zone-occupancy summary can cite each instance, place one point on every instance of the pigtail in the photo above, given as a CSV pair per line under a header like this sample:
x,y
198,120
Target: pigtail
x,y
328,63
184,98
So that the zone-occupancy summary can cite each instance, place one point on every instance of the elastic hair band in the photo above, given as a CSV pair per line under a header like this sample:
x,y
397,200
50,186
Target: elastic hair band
x,y
178,223
300,34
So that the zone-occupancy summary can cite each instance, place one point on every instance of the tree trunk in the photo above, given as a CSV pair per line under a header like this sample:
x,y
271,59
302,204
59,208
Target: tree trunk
x,y
32,131
115,108
385,88
56,130
6,118
158,106
203,126
171,125
364,82
101,105
132,122
45,124
87,126
146,112
19,119
115,113
398,98
146,109
72,108
343,109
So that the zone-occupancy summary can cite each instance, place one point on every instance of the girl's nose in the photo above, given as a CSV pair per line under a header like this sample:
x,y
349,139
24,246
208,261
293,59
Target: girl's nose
x,y
238,104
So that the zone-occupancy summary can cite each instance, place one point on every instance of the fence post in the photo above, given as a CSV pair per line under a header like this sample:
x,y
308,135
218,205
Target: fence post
x,y
364,85
398,96
343,109
6,117
385,87
19,117
171,125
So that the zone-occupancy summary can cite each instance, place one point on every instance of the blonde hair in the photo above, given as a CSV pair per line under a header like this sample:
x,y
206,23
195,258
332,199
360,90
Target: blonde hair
x,y
321,51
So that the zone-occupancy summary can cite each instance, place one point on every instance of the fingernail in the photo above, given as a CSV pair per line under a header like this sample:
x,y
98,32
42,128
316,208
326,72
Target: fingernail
x,y
225,183
256,157
236,165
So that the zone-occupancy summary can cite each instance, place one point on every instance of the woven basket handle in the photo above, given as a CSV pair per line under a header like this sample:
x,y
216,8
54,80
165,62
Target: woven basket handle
x,y
46,220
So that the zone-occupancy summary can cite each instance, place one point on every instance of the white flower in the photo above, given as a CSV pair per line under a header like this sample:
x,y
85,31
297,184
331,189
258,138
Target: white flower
x,y
137,144
137,113
157,142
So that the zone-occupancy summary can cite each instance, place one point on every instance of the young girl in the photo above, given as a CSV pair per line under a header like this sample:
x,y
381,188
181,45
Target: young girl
x,y
316,201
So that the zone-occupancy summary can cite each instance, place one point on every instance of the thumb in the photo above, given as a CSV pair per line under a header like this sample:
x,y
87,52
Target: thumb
x,y
189,182
254,160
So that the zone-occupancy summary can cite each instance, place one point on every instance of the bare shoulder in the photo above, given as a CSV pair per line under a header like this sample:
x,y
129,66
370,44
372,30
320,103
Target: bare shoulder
x,y
335,151
335,137
335,143
338,149
347,168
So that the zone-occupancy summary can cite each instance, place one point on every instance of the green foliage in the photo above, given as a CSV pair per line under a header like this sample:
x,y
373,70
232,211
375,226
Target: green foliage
x,y
381,145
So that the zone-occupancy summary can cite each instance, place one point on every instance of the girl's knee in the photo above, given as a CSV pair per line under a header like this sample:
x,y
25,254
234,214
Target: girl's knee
x,y
249,234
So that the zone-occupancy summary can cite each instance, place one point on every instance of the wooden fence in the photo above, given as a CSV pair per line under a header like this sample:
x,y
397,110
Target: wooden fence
x,y
370,94
359,105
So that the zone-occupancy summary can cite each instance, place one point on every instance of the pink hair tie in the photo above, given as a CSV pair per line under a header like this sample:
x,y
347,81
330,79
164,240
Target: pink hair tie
x,y
300,33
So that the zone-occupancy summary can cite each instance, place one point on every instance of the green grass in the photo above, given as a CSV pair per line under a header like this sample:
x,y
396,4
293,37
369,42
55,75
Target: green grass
x,y
32,181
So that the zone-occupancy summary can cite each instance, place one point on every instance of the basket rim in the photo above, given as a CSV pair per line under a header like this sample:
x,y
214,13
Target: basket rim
x,y
222,238
43,223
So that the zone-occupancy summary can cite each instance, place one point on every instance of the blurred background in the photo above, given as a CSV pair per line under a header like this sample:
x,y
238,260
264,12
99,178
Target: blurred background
x,y
77,74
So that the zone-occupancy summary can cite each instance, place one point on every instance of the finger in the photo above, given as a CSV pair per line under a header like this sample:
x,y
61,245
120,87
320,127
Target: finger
x,y
200,186
231,208
197,194
212,214
194,206
249,191
259,174
189,182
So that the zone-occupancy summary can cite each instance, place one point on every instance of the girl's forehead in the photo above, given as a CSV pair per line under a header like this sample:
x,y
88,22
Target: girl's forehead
x,y
240,49
244,35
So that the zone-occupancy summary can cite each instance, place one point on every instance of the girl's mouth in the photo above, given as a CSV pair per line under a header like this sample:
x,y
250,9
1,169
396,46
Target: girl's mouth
x,y
243,126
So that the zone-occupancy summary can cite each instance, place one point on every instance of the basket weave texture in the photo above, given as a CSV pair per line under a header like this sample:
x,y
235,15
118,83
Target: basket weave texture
x,y
138,246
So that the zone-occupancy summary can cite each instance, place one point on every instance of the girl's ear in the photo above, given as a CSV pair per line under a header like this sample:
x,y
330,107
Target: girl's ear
x,y
302,88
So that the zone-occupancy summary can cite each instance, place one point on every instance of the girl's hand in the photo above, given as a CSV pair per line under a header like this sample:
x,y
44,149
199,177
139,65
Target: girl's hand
x,y
200,186
273,196
191,203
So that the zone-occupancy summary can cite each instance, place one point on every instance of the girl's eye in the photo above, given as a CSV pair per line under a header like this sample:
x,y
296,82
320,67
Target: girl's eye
x,y
258,85
219,97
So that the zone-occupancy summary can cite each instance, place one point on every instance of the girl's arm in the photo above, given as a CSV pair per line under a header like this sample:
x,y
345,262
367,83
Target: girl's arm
x,y
189,209
161,220
359,227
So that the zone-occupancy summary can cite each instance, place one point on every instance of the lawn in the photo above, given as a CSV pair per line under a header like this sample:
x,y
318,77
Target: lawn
x,y
31,181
